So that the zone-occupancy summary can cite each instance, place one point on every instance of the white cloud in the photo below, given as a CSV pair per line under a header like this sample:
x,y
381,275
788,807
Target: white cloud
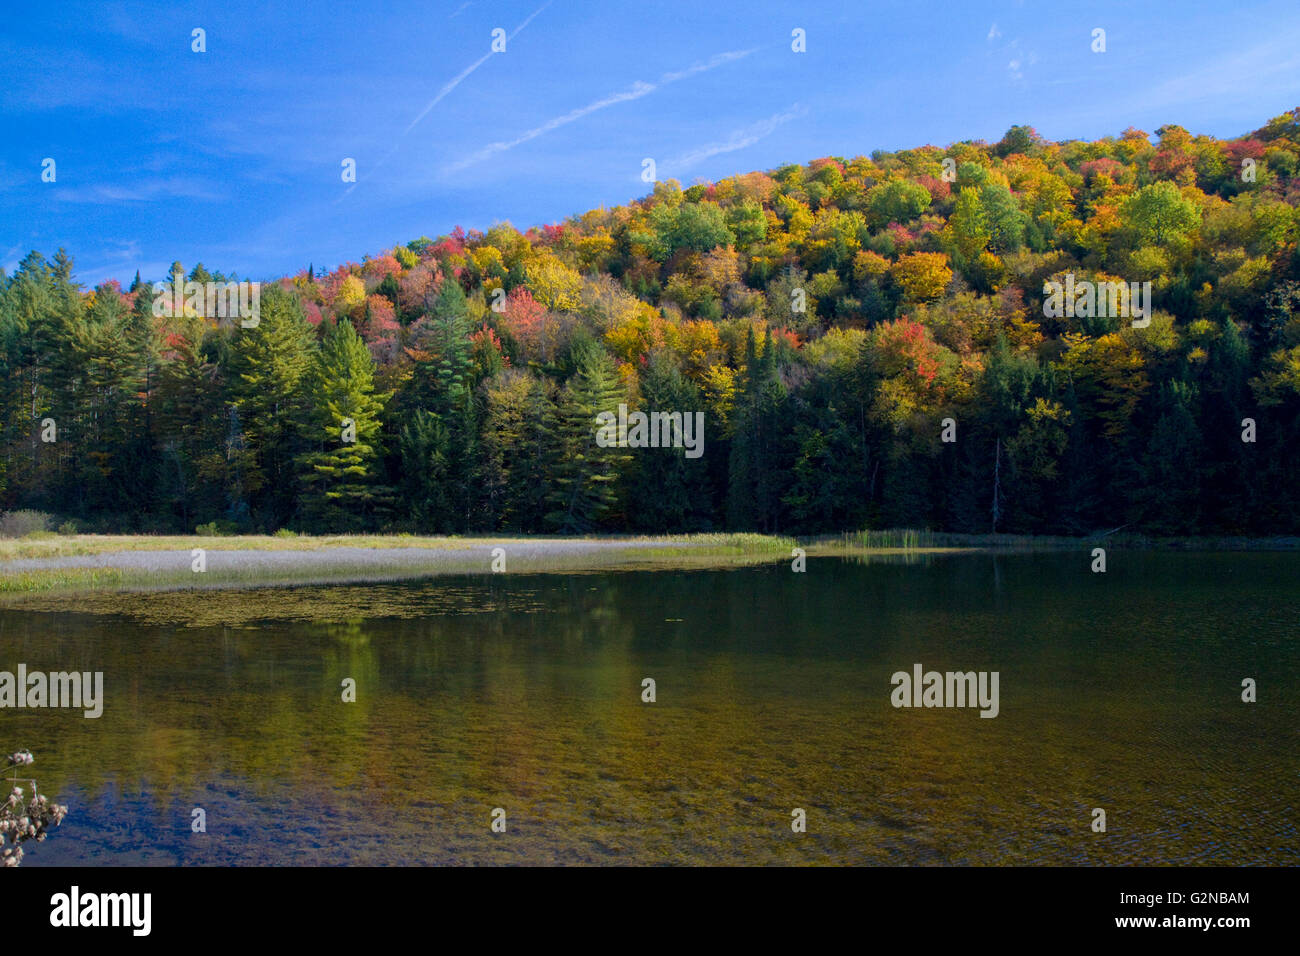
x,y
994,33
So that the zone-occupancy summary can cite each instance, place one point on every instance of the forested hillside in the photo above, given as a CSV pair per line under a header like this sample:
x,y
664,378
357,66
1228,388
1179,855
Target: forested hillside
x,y
825,318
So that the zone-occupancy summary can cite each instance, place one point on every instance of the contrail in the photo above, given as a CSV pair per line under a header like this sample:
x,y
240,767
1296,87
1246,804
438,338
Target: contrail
x,y
456,81
739,139
634,92
446,88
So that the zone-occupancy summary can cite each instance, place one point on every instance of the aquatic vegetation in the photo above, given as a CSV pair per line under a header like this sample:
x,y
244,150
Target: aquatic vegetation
x,y
21,822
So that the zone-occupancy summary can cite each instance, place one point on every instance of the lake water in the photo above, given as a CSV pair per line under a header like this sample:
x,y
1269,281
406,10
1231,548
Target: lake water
x,y
1120,691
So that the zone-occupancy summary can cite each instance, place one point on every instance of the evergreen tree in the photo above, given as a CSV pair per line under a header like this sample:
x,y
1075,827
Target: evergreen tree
x,y
195,480
757,474
96,378
584,492
423,445
1170,489
269,365
666,489
439,442
742,513
341,479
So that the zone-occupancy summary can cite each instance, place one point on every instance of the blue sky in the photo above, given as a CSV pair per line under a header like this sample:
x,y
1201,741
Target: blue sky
x,y
233,157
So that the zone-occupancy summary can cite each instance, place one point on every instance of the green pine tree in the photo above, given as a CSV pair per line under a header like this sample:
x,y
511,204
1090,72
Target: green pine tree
x,y
270,362
341,473
585,491
759,473
669,489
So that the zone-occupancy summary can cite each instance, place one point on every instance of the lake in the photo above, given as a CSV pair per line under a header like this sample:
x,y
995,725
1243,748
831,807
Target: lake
x,y
1119,691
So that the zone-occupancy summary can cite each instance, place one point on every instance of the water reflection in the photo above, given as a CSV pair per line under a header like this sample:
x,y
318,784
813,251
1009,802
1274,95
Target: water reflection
x,y
1118,690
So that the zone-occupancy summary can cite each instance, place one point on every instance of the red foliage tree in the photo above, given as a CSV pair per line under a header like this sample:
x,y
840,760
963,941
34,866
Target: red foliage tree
x,y
1104,166
1168,163
524,316
817,165
937,188
381,319
415,288
375,270
1240,149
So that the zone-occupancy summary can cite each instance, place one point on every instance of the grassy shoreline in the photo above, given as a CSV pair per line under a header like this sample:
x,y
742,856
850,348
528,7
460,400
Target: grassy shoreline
x,y
122,563
54,546
90,563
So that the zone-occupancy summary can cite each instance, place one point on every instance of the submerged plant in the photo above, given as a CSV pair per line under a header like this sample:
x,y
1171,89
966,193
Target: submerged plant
x,y
20,823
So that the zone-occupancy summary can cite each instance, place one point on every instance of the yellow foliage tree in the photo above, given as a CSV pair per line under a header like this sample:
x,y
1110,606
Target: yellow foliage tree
x,y
352,293
869,265
720,396
923,275
1108,373
553,284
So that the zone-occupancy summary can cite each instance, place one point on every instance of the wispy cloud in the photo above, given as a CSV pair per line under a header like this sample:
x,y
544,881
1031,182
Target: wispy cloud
x,y
118,260
7,261
634,92
142,191
1272,65
740,139
1018,59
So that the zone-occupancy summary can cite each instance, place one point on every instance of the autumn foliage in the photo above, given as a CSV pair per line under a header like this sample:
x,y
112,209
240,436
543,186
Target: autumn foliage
x,y
828,318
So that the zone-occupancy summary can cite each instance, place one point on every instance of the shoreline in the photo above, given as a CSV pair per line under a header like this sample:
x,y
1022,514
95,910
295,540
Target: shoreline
x,y
124,563
155,563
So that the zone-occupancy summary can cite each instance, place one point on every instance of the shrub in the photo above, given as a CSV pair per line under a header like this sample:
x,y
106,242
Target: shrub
x,y
216,529
19,524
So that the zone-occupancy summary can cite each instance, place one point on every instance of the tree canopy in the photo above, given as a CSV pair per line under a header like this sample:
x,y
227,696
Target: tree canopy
x,y
833,322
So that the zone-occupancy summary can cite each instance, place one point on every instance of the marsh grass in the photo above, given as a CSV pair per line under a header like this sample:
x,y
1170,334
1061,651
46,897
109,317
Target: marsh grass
x,y
59,579
80,545
399,559
913,539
